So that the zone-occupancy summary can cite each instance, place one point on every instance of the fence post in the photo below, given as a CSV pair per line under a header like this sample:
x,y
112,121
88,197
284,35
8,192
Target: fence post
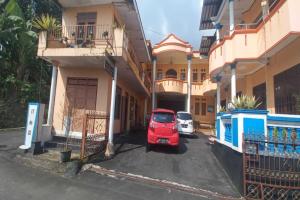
x,y
84,134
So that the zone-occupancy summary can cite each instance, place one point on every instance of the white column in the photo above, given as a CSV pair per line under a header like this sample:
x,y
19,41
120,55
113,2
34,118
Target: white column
x,y
52,96
231,16
218,27
153,84
112,108
265,8
188,102
218,95
233,81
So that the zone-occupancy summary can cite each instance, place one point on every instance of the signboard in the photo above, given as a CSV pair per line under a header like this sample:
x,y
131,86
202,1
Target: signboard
x,y
31,125
109,64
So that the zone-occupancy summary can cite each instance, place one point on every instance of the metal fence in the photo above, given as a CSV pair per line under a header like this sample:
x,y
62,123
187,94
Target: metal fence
x,y
271,167
94,134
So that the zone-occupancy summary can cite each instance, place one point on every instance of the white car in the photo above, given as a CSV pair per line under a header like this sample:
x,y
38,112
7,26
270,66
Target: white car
x,y
185,123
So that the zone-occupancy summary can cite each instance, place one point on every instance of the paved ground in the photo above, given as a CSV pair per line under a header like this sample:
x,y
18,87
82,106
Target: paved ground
x,y
22,181
195,165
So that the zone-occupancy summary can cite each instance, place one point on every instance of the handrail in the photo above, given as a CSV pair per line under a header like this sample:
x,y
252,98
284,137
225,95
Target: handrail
x,y
275,6
81,35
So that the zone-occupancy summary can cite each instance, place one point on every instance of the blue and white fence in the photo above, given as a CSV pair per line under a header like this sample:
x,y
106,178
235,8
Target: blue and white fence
x,y
284,130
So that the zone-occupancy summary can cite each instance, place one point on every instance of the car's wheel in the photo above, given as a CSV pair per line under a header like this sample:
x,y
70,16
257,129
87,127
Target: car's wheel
x,y
177,149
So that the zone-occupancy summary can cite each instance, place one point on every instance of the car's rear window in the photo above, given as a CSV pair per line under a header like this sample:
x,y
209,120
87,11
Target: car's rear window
x,y
163,117
184,116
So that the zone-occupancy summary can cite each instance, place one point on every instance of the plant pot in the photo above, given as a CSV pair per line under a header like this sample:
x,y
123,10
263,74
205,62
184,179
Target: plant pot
x,y
65,155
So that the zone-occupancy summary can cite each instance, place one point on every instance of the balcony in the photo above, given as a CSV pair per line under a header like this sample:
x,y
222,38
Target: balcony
x,y
171,85
251,42
204,88
85,46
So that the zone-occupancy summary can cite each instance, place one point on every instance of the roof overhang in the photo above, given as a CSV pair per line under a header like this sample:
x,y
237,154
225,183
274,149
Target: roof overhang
x,y
206,43
134,28
210,9
79,3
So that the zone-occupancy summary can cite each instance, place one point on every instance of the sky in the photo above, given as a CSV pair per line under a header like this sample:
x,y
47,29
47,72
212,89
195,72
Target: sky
x,y
162,17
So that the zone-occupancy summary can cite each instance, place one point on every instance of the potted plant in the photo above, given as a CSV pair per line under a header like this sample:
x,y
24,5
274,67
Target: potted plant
x,y
49,26
294,138
284,137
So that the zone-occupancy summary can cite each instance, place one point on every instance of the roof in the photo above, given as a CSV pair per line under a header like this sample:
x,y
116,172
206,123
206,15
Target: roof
x,y
171,38
163,110
210,9
206,43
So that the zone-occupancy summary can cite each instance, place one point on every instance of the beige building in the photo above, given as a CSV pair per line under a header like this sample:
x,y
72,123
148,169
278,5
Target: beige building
x,y
98,59
181,80
255,51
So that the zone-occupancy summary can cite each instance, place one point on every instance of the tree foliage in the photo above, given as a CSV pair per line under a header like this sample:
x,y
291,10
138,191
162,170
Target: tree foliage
x,y
23,76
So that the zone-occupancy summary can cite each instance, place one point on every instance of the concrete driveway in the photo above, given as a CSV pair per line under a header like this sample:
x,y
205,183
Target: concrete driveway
x,y
194,165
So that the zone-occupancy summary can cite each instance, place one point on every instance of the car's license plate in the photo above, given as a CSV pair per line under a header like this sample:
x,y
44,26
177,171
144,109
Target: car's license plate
x,y
184,125
163,140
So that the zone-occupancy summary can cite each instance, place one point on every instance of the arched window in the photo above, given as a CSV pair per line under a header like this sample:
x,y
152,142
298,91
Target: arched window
x,y
171,73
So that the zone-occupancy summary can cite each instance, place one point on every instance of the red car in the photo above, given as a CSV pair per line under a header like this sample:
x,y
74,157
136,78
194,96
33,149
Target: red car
x,y
163,129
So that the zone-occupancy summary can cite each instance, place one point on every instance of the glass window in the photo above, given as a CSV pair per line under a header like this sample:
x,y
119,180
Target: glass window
x,y
163,117
159,74
184,116
259,92
195,75
182,74
287,91
171,73
203,75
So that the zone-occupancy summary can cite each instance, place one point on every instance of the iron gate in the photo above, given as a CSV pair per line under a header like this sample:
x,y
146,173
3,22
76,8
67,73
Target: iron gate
x,y
94,134
271,167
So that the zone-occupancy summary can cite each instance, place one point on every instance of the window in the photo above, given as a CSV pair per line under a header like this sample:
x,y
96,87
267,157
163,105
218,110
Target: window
x,y
118,102
163,117
86,27
203,75
184,116
195,75
287,91
182,74
171,73
159,74
259,92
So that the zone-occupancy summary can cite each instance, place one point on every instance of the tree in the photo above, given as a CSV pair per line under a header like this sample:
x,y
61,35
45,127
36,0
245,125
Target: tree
x,y
23,76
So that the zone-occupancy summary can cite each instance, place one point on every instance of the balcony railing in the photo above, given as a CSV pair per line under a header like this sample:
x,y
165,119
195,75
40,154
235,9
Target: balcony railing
x,y
80,36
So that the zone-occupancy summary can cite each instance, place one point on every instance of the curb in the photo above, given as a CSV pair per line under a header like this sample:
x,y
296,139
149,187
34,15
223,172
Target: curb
x,y
157,182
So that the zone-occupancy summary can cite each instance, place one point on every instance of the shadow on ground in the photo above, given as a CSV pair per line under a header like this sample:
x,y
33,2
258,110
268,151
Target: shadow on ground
x,y
194,164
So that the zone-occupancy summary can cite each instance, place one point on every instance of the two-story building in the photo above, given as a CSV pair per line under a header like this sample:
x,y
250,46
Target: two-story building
x,y
98,58
254,51
181,80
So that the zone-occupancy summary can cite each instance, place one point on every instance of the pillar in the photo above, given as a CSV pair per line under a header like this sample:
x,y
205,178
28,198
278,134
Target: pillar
x,y
110,146
188,102
265,8
233,81
153,83
218,79
218,27
231,16
52,96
